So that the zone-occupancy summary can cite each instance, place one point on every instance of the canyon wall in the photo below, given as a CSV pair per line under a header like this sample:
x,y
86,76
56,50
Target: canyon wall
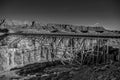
x,y
20,50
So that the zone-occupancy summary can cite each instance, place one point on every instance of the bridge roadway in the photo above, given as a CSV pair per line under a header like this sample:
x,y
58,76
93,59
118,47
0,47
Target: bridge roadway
x,y
86,35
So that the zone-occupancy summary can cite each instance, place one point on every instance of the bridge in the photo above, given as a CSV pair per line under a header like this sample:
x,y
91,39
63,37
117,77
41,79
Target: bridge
x,y
20,49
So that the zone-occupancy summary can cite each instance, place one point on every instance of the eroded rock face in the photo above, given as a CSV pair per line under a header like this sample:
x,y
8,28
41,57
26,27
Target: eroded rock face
x,y
22,50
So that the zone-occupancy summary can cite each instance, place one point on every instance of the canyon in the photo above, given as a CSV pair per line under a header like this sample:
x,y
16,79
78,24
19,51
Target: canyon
x,y
24,44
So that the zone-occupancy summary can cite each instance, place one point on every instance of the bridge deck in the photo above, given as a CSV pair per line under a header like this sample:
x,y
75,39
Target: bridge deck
x,y
71,35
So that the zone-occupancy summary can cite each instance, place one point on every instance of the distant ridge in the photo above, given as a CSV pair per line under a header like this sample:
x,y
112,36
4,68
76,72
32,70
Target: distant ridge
x,y
16,26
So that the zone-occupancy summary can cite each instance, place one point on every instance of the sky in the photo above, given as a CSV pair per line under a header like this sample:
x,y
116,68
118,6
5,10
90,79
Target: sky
x,y
77,12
